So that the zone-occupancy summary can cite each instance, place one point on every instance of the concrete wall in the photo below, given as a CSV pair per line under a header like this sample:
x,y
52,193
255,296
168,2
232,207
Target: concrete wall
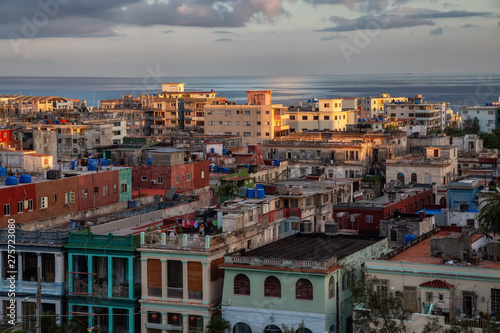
x,y
45,142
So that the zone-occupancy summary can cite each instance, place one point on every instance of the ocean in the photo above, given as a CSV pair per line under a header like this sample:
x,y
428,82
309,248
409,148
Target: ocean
x,y
457,89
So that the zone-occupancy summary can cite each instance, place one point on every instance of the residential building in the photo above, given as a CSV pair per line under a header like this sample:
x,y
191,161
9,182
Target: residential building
x,y
373,107
325,115
469,143
402,228
463,191
380,124
104,281
430,114
256,121
22,161
488,116
442,277
38,255
7,140
364,216
302,278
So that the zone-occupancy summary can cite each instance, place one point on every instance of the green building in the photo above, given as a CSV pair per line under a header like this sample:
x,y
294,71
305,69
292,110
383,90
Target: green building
x,y
104,281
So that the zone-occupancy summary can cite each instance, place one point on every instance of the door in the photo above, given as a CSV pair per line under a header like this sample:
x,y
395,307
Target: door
x,y
410,298
469,303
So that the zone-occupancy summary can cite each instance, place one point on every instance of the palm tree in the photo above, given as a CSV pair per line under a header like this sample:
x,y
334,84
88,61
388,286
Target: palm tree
x,y
489,214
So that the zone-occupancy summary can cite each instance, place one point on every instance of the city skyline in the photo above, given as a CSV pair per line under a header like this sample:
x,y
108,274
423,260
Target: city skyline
x,y
242,38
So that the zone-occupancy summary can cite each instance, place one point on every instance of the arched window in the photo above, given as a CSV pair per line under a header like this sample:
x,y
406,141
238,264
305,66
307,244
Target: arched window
x,y
304,289
331,287
241,285
442,201
272,287
401,178
413,177
241,328
272,329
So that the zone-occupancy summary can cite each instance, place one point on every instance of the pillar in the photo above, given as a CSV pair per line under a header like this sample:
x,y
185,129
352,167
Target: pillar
x,y
59,267
185,323
111,321
130,277
91,310
185,288
70,276
60,312
110,278
130,319
90,269
144,278
144,320
164,280
206,282
206,319
164,320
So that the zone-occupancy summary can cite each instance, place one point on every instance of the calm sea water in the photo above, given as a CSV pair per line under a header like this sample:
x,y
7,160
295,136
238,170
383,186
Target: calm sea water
x,y
457,89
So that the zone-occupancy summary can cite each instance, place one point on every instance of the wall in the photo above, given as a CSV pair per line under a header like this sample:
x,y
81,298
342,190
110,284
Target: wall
x,y
96,181
125,177
11,195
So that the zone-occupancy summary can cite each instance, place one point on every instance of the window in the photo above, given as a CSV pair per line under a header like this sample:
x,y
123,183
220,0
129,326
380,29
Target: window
x,y
369,219
144,178
292,117
227,123
85,194
242,328
115,188
495,300
30,205
327,117
228,112
159,180
441,297
304,289
44,202
394,235
241,285
105,190
6,209
177,179
381,287
20,207
267,133
188,177
123,188
413,177
315,117
331,287
247,123
436,153
277,204
246,134
304,117
69,197
272,287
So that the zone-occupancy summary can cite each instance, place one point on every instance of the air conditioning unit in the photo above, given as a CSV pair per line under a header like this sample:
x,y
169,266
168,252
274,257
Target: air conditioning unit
x,y
153,181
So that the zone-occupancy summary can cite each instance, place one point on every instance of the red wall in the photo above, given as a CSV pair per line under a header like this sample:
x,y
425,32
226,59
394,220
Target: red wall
x,y
6,135
13,194
98,179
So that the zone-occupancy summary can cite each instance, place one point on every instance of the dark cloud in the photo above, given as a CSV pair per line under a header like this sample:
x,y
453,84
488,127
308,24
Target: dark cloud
x,y
468,26
333,37
168,31
222,32
399,18
365,6
224,40
436,32
97,18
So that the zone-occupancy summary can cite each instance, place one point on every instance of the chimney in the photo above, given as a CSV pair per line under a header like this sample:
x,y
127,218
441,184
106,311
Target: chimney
x,y
421,215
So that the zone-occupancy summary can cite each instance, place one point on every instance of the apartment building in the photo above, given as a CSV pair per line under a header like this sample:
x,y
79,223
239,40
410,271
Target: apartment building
x,y
488,115
23,105
373,107
302,278
256,121
430,114
19,161
323,115
138,121
7,140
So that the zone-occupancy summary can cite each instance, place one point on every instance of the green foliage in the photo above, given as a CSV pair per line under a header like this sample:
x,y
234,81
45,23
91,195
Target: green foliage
x,y
391,128
299,329
217,324
489,214
491,140
451,131
471,126
83,108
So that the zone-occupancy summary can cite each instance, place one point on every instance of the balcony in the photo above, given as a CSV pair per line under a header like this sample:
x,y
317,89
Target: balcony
x,y
191,242
257,261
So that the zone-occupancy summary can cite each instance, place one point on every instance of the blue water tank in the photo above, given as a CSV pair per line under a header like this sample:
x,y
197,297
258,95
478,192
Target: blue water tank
x,y
248,166
216,168
212,150
224,151
103,162
225,170
221,169
409,238
11,180
277,162
74,164
251,193
262,186
149,161
261,193
24,179
3,172
92,164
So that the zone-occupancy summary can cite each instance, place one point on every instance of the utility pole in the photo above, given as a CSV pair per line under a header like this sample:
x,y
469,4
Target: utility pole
x,y
38,328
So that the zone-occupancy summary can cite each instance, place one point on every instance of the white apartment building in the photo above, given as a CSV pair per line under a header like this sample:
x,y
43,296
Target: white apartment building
x,y
372,107
432,115
487,115
325,115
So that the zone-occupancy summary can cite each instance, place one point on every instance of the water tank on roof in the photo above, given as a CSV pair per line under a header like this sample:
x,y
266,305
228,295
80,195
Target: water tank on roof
x,y
277,162
261,193
224,151
409,238
92,164
24,179
225,170
149,161
3,172
74,164
103,162
242,191
212,150
11,180
251,193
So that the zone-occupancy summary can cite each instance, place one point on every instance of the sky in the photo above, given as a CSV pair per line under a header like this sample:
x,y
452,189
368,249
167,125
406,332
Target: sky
x,y
133,38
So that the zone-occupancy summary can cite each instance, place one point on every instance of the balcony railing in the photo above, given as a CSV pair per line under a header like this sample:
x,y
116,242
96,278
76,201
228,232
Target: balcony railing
x,y
182,242
195,294
175,292
257,261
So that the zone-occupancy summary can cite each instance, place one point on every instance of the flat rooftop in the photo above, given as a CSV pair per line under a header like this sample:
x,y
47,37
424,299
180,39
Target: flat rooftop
x,y
314,247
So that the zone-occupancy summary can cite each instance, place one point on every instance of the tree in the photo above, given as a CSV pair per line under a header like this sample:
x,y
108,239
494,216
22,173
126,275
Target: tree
x,y
489,213
217,324
491,140
471,126
378,310
299,329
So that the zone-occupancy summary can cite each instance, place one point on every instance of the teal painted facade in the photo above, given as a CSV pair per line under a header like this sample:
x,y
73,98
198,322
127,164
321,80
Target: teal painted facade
x,y
104,273
125,177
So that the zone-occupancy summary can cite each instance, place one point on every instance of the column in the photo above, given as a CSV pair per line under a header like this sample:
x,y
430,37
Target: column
x,y
185,291
70,276
38,261
130,319
144,278
206,319
90,269
164,320
91,310
185,323
144,320
164,280
59,267
206,282
60,312
130,277
111,321
110,277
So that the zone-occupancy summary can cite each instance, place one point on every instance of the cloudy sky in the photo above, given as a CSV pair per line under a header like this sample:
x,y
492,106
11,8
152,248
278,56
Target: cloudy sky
x,y
247,37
